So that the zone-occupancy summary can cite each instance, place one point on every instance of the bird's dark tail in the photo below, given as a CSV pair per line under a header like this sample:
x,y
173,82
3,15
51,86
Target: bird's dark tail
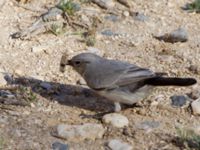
x,y
167,81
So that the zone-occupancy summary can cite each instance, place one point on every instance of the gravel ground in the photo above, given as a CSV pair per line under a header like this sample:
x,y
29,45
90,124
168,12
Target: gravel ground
x,y
132,40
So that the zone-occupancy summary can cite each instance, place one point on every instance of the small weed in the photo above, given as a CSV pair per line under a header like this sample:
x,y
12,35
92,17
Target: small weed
x,y
27,94
69,6
90,40
189,138
194,6
57,30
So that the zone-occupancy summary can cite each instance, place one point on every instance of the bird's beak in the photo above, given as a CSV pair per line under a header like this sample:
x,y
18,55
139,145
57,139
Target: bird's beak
x,y
63,65
69,63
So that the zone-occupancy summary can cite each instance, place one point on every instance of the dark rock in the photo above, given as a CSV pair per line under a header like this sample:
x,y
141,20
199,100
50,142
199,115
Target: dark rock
x,y
179,35
46,85
178,100
59,146
195,94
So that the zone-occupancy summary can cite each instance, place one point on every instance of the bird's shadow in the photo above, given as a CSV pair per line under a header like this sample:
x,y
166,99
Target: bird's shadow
x,y
65,94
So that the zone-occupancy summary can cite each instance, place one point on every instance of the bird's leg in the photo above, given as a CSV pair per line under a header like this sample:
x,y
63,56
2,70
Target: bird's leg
x,y
117,107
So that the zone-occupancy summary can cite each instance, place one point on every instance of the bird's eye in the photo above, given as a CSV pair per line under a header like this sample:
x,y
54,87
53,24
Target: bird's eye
x,y
77,62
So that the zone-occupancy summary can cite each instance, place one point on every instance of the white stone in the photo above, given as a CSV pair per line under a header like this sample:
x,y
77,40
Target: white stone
x,y
196,107
126,13
116,120
80,132
119,145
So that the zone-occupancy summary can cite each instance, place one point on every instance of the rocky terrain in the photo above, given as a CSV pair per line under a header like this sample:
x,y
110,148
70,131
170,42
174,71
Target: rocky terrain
x,y
42,108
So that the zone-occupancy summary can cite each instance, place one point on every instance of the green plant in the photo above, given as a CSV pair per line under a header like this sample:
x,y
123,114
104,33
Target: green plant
x,y
90,41
68,6
189,137
194,6
57,29
27,94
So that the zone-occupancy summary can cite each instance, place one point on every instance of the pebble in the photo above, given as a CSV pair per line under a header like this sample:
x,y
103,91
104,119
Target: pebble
x,y
126,13
3,81
116,144
108,33
9,78
112,18
195,93
106,4
178,100
6,94
179,35
80,132
59,146
46,85
85,19
196,107
148,125
116,120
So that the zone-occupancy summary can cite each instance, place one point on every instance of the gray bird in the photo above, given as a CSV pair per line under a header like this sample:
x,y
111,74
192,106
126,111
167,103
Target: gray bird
x,y
120,81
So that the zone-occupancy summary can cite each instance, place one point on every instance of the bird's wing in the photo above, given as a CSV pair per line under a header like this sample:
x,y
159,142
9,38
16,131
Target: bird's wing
x,y
134,74
113,74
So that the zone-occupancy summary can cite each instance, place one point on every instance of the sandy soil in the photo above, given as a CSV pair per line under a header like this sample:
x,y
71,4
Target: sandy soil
x,y
25,128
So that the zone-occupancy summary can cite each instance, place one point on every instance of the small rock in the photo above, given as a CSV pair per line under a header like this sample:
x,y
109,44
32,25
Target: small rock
x,y
112,18
80,132
196,107
179,35
126,13
195,94
119,145
3,81
148,125
6,94
106,4
85,19
108,33
9,78
59,146
116,120
139,16
178,100
46,85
